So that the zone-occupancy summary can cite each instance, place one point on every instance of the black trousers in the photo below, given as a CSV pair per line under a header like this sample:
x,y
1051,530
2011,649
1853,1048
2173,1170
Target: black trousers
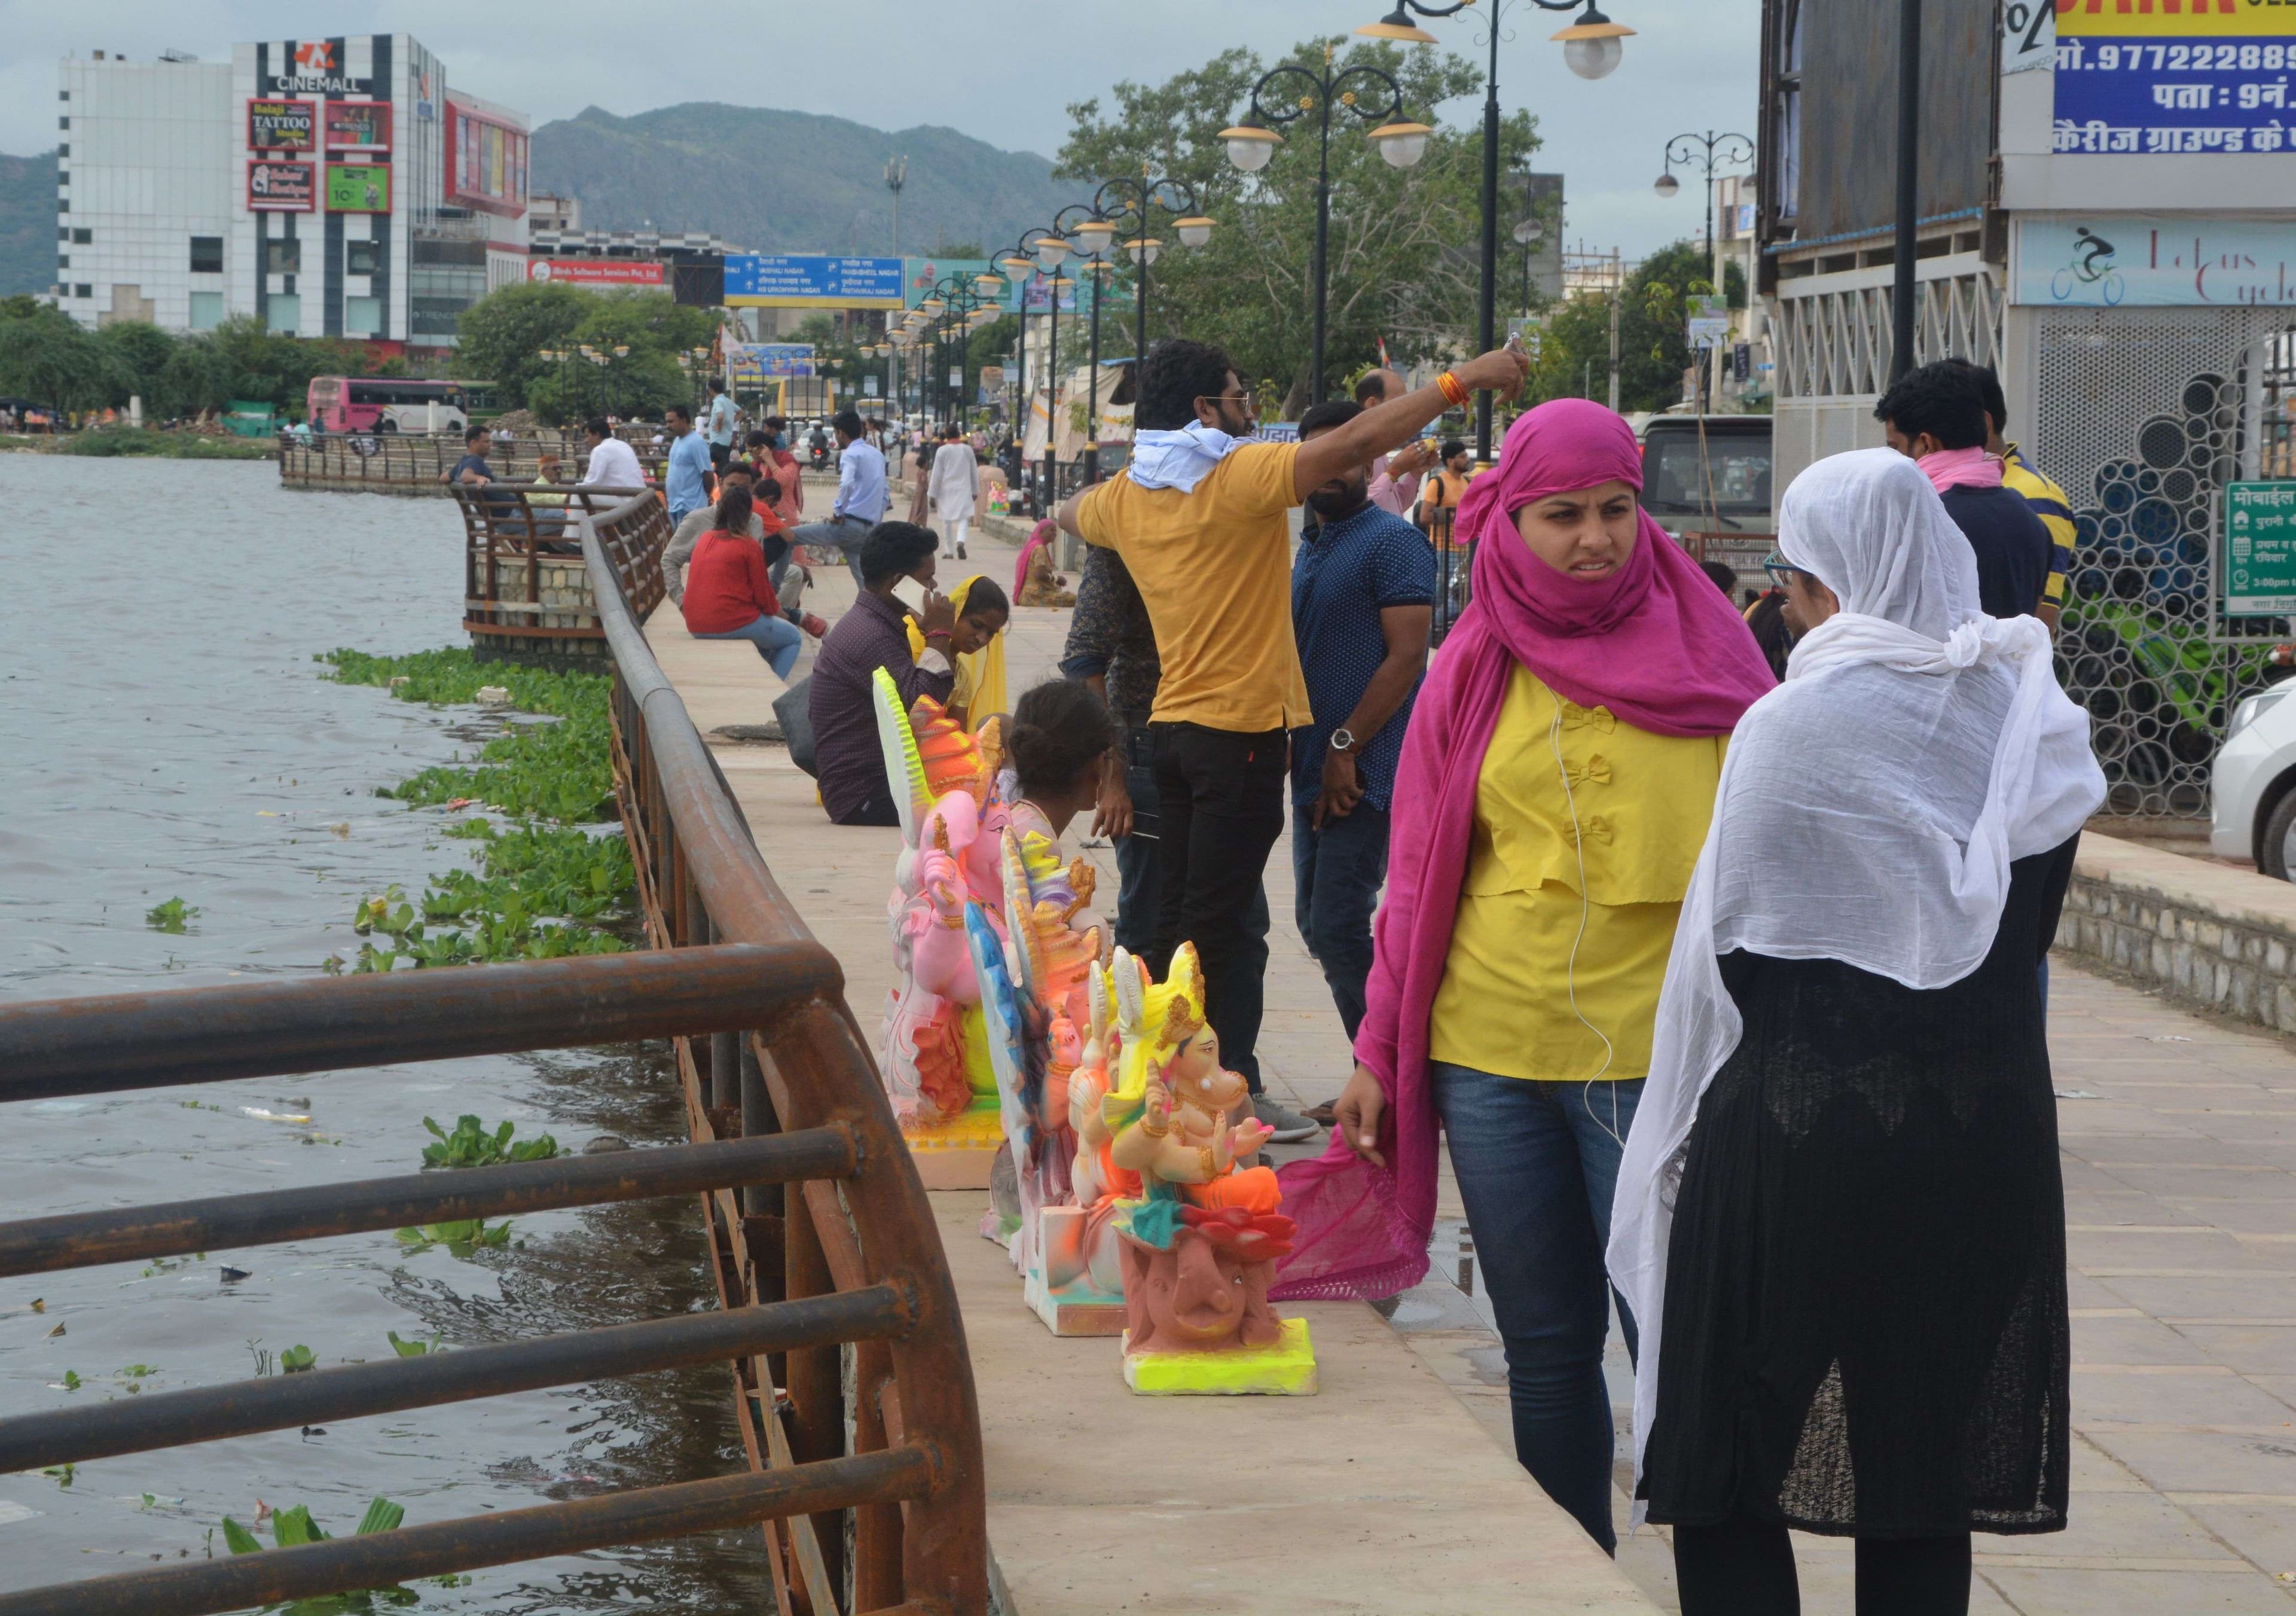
x,y
1746,1567
1221,809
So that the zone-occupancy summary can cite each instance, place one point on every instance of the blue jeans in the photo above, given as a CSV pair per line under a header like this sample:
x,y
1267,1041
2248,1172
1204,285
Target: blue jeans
x,y
843,533
1537,1164
1338,871
777,638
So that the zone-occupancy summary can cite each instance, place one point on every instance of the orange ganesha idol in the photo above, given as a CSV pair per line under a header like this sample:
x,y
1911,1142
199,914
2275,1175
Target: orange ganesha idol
x,y
1199,1243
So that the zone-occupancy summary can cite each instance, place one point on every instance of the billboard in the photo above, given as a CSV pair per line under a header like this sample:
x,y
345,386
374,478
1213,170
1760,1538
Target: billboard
x,y
358,187
356,125
2148,261
277,187
308,67
281,125
795,281
598,272
748,363
2212,78
486,161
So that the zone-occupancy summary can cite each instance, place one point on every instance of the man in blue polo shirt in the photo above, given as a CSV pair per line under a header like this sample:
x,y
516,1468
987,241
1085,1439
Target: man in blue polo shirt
x,y
685,483
1362,591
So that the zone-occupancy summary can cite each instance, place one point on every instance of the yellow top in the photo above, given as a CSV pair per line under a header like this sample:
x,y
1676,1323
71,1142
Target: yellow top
x,y
1642,802
1214,569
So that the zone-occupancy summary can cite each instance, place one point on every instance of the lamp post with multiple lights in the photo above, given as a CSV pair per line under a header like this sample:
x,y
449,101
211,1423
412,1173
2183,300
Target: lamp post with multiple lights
x,y
1042,250
1591,48
1252,145
1135,197
1706,153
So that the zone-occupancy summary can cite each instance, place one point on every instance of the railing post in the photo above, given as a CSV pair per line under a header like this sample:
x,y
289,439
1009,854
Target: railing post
x,y
816,1375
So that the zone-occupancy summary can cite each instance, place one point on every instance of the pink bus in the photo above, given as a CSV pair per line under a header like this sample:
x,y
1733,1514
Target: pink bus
x,y
385,404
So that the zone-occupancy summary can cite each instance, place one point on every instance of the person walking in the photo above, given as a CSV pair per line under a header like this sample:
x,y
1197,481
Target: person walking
x,y
685,481
849,759
728,596
1554,788
1840,1217
613,463
919,469
1362,592
1201,517
861,498
953,488
1935,414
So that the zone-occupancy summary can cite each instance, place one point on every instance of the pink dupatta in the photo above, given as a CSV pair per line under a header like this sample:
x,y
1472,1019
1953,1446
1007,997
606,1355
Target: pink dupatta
x,y
1657,644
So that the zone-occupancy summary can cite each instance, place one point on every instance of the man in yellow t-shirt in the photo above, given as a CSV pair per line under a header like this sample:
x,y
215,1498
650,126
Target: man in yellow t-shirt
x,y
1201,520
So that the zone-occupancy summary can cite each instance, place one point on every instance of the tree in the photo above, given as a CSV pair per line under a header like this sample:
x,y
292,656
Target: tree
x,y
47,357
1404,242
1653,333
504,334
138,362
501,337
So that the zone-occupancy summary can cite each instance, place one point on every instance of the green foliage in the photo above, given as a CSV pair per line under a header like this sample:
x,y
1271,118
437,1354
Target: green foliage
x,y
47,355
472,1145
504,334
460,1239
291,1527
71,1380
174,915
64,1473
414,1348
1654,333
111,442
296,1359
1403,241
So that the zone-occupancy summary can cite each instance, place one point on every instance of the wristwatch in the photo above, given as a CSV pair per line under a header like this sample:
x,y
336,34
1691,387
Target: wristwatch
x,y
1344,739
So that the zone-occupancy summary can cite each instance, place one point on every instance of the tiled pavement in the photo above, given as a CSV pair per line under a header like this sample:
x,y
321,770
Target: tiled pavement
x,y
2179,1140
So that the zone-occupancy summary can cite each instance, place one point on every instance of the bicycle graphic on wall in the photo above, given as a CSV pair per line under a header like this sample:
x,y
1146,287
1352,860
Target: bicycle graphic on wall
x,y
2091,266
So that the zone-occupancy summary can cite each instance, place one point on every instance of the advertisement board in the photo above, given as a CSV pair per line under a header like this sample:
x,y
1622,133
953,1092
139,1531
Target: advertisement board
x,y
2210,78
486,161
598,272
1036,297
795,281
358,187
279,187
281,125
356,125
748,363
312,67
2259,573
2144,261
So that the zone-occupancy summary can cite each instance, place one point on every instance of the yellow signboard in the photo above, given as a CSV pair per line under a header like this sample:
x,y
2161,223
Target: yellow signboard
x,y
2171,20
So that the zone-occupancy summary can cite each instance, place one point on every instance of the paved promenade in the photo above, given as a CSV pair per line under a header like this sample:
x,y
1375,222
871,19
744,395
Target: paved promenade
x,y
2179,1139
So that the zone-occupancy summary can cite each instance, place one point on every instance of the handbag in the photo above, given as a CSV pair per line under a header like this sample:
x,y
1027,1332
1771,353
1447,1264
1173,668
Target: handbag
x,y
793,710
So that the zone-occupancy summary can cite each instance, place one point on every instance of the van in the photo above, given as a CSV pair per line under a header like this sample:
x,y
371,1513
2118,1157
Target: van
x,y
1706,480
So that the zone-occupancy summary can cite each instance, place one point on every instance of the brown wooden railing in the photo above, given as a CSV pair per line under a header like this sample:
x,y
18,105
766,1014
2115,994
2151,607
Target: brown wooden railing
x,y
823,1240
408,463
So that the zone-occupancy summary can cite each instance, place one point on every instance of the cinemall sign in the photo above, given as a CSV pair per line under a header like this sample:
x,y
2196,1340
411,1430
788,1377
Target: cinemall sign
x,y
316,70
595,271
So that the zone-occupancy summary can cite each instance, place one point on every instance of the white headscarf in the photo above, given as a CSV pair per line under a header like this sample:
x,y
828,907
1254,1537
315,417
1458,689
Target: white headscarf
x,y
1867,812
1179,457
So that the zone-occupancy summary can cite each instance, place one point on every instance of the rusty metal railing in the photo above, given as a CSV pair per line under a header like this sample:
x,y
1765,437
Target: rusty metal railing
x,y
827,1260
417,463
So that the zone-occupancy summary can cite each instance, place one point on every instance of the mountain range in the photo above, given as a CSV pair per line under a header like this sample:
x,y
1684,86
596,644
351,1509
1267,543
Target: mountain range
x,y
792,182
28,223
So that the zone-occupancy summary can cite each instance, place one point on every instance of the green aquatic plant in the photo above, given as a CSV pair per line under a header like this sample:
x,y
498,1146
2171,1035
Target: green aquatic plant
x,y
174,916
296,1359
472,1145
460,1238
415,1348
291,1528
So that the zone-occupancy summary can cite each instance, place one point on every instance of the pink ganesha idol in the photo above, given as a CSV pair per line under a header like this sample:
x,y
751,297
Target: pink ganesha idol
x,y
934,1056
1199,1238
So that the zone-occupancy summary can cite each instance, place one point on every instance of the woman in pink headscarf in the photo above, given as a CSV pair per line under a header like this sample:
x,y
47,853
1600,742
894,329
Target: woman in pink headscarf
x,y
1556,783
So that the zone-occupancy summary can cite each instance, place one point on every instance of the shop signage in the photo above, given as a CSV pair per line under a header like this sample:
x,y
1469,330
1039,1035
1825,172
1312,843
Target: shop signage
x,y
358,187
357,126
314,68
2144,80
1709,321
280,126
596,271
2028,34
277,187
748,363
2143,261
2259,570
792,281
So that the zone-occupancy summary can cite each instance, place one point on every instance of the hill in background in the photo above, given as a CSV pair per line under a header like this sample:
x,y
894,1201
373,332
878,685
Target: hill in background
x,y
792,182
28,223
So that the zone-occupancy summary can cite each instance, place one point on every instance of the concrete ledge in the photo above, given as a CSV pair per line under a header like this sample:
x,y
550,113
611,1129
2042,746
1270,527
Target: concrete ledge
x,y
721,682
1380,1494
2202,934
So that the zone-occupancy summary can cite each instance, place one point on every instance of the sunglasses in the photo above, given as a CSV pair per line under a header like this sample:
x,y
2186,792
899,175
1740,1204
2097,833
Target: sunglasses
x,y
1244,399
1782,572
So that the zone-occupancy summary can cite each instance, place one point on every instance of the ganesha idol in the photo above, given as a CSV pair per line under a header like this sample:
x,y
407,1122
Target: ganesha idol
x,y
935,1056
1039,978
1196,1233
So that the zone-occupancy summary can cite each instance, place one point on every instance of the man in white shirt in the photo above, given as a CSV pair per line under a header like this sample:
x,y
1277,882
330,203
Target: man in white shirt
x,y
953,487
613,463
723,419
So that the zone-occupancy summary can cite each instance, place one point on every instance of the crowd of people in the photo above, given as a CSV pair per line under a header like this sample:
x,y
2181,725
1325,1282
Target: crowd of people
x,y
1709,937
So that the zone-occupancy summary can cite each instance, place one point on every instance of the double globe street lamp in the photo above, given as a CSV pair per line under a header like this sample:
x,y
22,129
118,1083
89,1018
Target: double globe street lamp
x,y
1705,154
1592,47
1042,251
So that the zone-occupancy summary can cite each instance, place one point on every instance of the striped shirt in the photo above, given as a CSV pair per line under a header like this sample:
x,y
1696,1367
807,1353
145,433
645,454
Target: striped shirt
x,y
2046,501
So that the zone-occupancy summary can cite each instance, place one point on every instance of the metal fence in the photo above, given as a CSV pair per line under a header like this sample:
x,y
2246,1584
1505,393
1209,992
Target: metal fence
x,y
418,463
525,583
838,1318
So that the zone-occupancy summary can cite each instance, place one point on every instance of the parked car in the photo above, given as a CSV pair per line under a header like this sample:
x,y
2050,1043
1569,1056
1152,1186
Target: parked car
x,y
2252,786
1712,490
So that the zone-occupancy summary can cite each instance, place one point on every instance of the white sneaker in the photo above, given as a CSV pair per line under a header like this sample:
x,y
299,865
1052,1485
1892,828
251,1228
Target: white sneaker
x,y
1288,1125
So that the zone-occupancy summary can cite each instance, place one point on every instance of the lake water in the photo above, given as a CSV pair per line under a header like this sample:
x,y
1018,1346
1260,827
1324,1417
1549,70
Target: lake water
x,y
164,733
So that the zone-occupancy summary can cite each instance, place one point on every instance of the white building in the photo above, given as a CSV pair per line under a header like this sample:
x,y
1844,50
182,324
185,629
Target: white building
x,y
328,187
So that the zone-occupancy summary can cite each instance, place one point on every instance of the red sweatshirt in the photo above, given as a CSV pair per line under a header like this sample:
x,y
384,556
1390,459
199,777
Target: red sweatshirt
x,y
726,585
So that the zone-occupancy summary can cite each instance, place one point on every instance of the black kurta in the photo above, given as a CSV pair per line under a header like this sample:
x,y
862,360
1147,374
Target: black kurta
x,y
1865,1328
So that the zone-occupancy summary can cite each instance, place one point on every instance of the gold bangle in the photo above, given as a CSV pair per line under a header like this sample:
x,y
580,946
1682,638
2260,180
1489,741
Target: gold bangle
x,y
1154,1133
1453,388
1211,1162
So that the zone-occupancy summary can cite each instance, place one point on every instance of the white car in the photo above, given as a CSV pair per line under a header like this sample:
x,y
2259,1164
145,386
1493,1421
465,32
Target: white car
x,y
2253,786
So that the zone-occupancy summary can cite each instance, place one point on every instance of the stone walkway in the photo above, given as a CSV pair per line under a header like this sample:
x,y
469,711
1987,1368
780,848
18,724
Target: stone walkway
x,y
2179,1138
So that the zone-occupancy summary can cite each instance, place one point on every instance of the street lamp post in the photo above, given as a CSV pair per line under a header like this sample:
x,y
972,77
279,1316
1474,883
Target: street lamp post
x,y
1591,48
1251,144
1040,249
1528,234
1137,197
1707,152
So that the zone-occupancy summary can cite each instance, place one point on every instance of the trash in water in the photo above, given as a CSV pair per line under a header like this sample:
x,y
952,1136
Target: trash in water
x,y
230,1273
261,1115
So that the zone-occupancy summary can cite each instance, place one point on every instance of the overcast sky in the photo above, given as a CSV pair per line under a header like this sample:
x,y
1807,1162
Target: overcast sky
x,y
1003,74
